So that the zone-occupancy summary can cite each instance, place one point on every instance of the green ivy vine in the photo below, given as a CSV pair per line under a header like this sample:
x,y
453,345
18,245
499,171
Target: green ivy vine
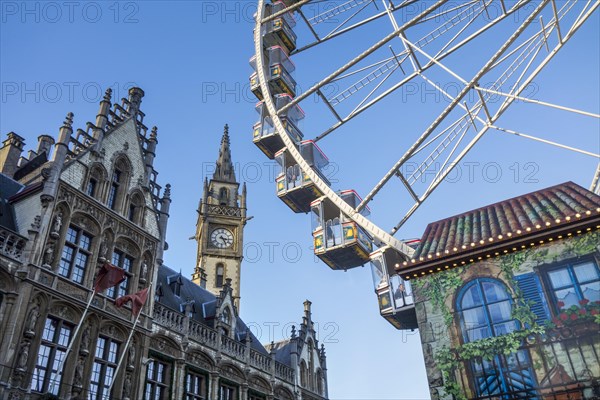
x,y
584,244
436,289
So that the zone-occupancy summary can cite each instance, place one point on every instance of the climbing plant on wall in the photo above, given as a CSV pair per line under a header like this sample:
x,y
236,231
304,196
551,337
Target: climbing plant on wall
x,y
439,287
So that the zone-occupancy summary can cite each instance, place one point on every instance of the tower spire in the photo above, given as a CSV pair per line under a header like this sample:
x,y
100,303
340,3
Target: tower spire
x,y
224,169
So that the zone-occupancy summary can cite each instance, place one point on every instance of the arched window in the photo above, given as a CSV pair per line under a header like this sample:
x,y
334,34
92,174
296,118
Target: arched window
x,y
319,382
303,374
118,183
485,310
95,181
220,274
136,209
223,196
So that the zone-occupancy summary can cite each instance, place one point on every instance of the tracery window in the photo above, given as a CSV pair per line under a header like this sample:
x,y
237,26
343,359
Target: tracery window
x,y
51,354
103,370
76,254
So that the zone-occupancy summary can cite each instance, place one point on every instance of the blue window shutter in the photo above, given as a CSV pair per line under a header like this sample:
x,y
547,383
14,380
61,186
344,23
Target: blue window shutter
x,y
532,290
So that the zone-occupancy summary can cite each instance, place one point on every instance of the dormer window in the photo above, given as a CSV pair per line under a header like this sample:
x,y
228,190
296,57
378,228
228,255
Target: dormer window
x,y
226,316
158,293
175,283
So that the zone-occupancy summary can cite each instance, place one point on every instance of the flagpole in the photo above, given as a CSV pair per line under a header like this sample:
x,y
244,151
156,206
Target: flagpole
x,y
122,357
77,329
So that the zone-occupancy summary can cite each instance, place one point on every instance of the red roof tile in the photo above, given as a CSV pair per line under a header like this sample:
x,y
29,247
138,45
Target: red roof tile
x,y
537,211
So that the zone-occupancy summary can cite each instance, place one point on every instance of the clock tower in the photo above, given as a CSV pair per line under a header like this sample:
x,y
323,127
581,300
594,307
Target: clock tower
x,y
219,230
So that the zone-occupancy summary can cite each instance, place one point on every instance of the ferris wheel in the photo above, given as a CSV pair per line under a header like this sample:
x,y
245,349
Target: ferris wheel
x,y
479,56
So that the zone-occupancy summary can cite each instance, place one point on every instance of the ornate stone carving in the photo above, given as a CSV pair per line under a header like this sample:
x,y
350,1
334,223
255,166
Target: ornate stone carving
x,y
131,355
232,373
32,319
127,387
85,341
143,272
199,360
37,222
71,290
49,255
45,279
56,225
23,356
63,312
78,376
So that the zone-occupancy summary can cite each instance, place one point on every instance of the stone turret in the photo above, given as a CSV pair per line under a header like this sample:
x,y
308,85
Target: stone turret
x,y
151,154
45,143
102,119
10,153
61,148
165,204
134,100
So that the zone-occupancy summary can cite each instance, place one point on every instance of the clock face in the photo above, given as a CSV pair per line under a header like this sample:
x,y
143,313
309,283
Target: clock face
x,y
221,238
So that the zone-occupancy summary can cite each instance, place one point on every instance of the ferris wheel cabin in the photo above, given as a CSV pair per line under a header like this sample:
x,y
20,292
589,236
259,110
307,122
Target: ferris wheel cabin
x,y
280,68
279,31
395,297
265,136
338,241
294,186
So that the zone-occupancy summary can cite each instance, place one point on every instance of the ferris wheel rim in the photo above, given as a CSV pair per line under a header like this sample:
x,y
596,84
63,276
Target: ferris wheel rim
x,y
381,235
344,207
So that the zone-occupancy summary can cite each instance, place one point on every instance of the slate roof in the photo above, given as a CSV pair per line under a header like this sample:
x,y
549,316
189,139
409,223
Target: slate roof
x,y
8,188
283,351
506,221
204,303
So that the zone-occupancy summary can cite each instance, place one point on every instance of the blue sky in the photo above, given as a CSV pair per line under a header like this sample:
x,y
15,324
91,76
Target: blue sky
x,y
191,58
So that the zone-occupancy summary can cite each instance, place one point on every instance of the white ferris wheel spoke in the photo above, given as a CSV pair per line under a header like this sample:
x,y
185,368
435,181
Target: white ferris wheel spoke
x,y
449,138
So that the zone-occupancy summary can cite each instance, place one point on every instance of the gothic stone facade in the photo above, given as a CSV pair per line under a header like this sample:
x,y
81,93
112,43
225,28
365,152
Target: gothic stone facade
x,y
92,197
515,311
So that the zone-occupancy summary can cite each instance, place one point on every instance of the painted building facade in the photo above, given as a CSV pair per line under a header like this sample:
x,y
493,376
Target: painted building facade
x,y
508,298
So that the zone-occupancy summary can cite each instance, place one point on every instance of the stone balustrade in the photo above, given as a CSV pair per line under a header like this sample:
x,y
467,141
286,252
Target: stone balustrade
x,y
12,244
207,336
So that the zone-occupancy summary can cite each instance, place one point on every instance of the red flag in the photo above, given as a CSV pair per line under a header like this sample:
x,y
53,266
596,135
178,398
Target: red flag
x,y
137,301
108,276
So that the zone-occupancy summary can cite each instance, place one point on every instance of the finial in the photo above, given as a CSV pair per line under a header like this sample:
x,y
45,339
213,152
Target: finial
x,y
225,134
154,132
293,331
322,350
108,95
167,193
69,120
